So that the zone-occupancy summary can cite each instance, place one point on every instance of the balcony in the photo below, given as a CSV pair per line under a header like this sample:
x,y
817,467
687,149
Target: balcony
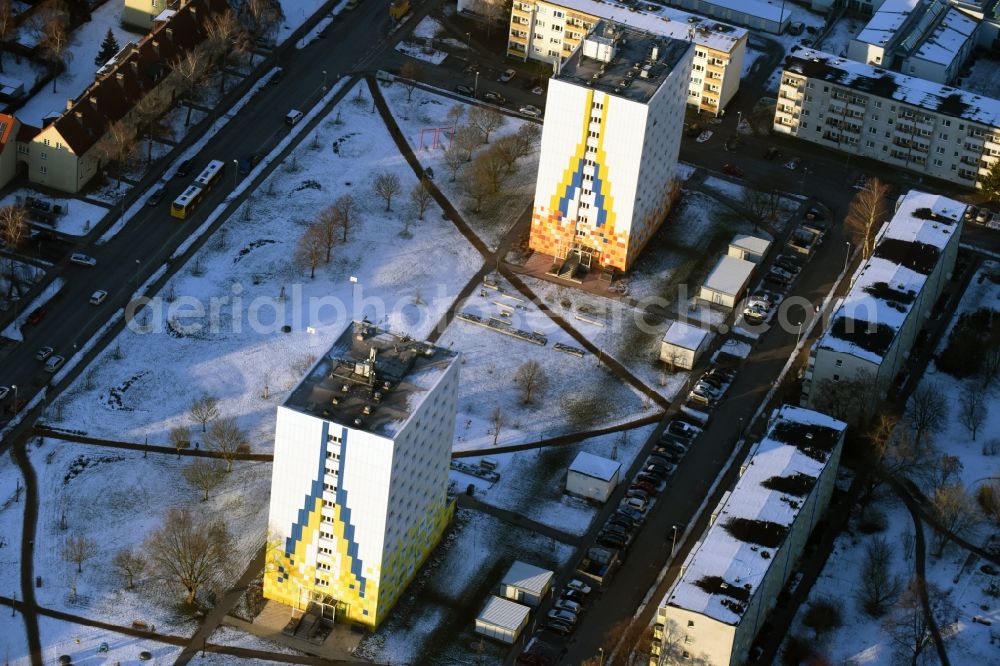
x,y
518,39
992,143
718,69
522,13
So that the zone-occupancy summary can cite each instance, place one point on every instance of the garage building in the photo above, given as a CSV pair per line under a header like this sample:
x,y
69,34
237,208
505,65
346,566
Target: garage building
x,y
502,619
592,476
726,283
751,248
683,344
526,583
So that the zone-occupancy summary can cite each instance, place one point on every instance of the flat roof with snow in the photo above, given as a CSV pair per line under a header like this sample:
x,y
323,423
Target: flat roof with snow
x,y
886,286
891,85
723,573
527,577
886,21
504,613
685,336
595,466
769,10
752,244
730,275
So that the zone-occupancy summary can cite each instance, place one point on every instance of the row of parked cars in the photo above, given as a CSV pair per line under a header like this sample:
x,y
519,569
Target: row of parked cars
x,y
710,387
566,610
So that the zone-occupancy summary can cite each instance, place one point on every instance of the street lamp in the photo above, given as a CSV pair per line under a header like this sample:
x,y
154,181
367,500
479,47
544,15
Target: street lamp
x,y
468,47
847,257
14,386
798,336
136,273
475,88
600,653
324,80
673,540
236,173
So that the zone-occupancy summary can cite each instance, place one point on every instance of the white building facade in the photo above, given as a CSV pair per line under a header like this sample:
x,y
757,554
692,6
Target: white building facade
x,y
873,329
607,173
360,475
731,579
900,120
550,32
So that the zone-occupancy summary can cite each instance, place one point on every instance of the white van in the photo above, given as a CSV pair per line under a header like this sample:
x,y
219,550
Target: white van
x,y
293,117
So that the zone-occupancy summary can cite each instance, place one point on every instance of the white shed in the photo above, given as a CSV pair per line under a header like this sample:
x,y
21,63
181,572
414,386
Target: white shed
x,y
683,343
751,248
526,583
726,283
502,619
592,476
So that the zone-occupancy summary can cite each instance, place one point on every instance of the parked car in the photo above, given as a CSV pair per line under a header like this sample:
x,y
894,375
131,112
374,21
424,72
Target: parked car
x,y
982,215
788,263
704,136
663,468
778,278
670,456
683,429
566,616
579,585
98,297
463,89
532,111
782,273
538,90
708,388
631,512
495,97
658,459
185,167
754,315
715,381
36,315
792,164
648,478
621,521
507,75
54,363
733,170
566,604
701,398
573,595
635,503
156,197
43,353
636,492
243,166
82,259
675,447
4,390
559,627
615,541
815,214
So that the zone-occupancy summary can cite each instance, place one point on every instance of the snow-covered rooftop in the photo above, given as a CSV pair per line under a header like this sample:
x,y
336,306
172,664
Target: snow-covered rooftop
x,y
685,336
753,244
891,85
669,22
725,570
528,577
503,613
943,44
886,286
371,379
595,466
769,10
888,19
730,275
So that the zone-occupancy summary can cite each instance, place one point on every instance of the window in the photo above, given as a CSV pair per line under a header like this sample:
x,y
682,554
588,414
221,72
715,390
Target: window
x,y
690,623
44,156
873,130
869,144
46,142
878,104
836,378
43,169
558,14
59,145
840,362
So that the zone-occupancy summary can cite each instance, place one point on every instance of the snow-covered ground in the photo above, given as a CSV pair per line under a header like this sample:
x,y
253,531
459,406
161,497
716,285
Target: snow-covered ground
x,y
11,519
77,499
428,28
983,79
13,329
532,483
83,643
247,267
79,218
433,56
14,642
84,46
964,585
427,111
433,622
839,38
297,12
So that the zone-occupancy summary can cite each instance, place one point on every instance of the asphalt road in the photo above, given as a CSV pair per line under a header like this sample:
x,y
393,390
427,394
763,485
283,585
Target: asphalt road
x,y
152,235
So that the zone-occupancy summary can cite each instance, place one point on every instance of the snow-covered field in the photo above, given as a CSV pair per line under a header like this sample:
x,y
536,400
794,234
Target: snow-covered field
x,y
84,46
427,111
249,269
532,483
960,585
433,623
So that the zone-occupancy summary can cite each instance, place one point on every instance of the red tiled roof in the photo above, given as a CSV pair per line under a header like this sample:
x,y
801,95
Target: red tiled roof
x,y
6,126
112,95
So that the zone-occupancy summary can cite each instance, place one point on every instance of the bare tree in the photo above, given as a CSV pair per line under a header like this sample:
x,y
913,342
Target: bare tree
x,y
262,18
908,626
466,139
822,615
189,552
866,214
528,136
118,145
487,120
759,207
328,227
455,114
492,166
493,11
204,409
386,186
972,408
225,41
955,511
8,27
310,249
409,74
478,185
531,379
454,158
129,564
879,586
204,474
13,225
188,72
926,411
78,549
148,112
421,197
54,42
988,498
180,437
226,437
849,399
498,420
344,208
507,147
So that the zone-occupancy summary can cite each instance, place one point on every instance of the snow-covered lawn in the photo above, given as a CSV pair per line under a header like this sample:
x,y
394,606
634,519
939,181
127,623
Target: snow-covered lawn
x,y
839,38
983,79
82,643
581,393
11,519
85,44
78,499
79,216
532,483
249,268
433,622
428,111
14,642
428,28
433,56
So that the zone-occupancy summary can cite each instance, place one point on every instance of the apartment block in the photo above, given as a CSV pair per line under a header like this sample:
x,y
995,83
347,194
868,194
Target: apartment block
x,y
550,32
608,164
906,122
359,484
731,579
892,294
